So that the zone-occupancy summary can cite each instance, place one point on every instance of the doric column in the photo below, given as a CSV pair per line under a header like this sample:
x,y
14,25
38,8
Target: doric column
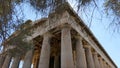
x,y
89,57
105,65
2,58
7,61
66,49
28,59
16,61
96,61
101,62
80,54
109,66
45,52
56,62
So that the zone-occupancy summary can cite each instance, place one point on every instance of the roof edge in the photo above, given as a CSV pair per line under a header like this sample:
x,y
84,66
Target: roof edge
x,y
66,7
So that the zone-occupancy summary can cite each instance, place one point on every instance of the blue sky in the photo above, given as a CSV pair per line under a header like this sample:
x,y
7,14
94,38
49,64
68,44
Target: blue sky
x,y
100,27
109,40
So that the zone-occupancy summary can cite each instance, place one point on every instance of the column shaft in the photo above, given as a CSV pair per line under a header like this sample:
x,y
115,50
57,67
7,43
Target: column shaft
x,y
101,62
15,63
2,58
45,52
7,61
96,61
105,65
66,49
28,59
89,57
80,55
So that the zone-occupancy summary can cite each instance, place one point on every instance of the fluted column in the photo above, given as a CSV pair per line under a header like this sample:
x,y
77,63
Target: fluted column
x,y
96,61
105,65
101,62
80,54
45,52
56,62
66,49
2,58
7,61
16,61
89,57
109,66
28,59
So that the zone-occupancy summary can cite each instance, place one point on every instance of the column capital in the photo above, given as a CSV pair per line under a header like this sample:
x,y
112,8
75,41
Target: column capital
x,y
47,34
89,57
87,46
95,53
100,58
78,37
66,26
104,61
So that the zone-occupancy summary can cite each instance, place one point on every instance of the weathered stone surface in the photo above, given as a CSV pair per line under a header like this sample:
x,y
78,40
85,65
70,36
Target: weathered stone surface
x,y
66,49
80,54
16,61
7,61
2,58
45,52
96,61
28,59
89,57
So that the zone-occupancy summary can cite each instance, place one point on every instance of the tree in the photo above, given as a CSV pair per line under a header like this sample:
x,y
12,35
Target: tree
x,y
10,20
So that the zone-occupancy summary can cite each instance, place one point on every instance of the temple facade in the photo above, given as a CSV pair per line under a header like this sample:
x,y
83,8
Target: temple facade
x,y
60,41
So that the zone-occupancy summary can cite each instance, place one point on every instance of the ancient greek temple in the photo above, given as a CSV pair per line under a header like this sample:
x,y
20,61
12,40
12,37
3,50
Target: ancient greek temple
x,y
62,40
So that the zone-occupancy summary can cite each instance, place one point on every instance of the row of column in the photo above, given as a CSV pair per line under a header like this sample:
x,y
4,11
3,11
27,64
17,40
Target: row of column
x,y
84,58
5,60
